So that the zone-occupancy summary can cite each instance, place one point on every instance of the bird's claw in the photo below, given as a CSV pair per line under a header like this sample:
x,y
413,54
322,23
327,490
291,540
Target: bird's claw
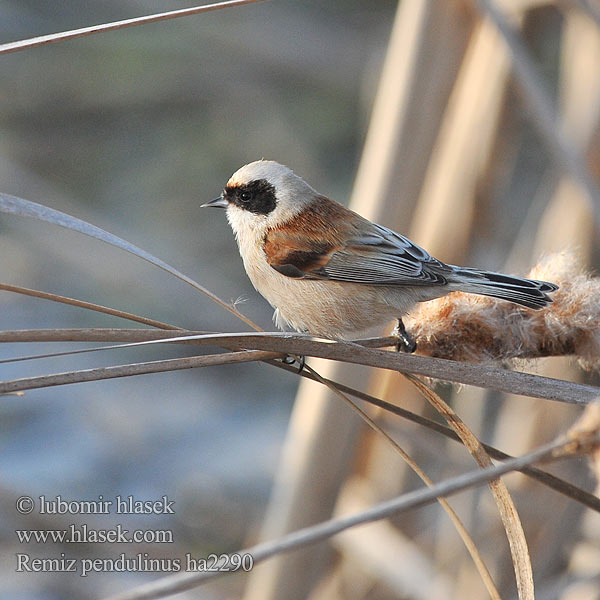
x,y
404,342
292,359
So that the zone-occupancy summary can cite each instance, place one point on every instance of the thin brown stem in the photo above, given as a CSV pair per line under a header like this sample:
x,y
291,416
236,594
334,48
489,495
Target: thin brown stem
x,y
92,30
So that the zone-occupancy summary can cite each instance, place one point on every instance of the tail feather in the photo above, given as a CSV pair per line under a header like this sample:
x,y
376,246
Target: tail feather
x,y
526,292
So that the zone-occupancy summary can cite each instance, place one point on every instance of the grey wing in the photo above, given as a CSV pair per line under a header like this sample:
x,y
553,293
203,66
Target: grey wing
x,y
382,257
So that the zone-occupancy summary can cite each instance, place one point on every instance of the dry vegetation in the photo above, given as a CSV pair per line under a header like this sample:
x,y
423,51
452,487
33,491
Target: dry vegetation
x,y
358,467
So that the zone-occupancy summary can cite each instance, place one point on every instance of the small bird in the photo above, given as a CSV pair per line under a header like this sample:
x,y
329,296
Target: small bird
x,y
329,272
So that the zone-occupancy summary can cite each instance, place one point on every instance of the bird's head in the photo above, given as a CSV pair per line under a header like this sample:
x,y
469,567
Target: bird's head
x,y
262,195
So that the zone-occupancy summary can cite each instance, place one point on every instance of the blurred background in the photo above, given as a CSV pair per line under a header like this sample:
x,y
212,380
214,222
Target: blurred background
x,y
408,112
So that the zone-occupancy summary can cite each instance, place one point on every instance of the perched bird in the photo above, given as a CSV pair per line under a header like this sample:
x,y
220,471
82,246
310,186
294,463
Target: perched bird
x,y
329,272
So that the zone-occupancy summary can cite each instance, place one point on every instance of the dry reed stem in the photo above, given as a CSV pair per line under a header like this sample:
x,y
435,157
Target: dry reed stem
x,y
541,108
480,329
484,376
545,478
85,31
180,582
506,507
87,305
128,370
458,524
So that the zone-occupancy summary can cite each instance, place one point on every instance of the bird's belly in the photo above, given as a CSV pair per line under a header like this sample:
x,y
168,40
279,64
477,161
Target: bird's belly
x,y
327,308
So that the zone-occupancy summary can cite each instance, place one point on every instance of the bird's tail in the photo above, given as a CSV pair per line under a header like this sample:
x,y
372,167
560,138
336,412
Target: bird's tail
x,y
526,292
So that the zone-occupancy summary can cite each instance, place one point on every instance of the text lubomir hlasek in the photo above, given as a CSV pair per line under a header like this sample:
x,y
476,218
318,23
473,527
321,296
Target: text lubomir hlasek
x,y
120,505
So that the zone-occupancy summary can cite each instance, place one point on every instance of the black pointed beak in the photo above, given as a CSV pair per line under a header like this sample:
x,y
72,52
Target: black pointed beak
x,y
219,202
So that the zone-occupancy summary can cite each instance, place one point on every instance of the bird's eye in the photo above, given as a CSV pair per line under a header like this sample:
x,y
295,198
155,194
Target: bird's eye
x,y
246,196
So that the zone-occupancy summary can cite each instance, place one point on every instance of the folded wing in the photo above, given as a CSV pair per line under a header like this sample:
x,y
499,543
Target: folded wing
x,y
364,253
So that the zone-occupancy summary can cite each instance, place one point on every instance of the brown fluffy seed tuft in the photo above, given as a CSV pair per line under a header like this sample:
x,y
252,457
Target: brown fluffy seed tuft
x,y
466,327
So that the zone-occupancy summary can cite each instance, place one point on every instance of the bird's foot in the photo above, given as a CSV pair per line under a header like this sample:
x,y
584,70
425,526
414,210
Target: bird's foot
x,y
404,342
292,359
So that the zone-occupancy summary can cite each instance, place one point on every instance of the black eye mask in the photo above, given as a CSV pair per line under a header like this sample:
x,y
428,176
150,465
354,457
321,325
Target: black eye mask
x,y
257,197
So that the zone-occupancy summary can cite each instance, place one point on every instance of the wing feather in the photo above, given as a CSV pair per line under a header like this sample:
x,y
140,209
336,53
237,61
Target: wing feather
x,y
365,253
